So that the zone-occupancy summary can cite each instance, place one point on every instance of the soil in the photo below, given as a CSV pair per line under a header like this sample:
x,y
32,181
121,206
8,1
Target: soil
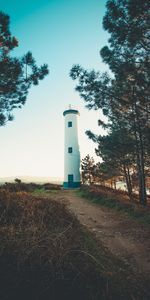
x,y
125,238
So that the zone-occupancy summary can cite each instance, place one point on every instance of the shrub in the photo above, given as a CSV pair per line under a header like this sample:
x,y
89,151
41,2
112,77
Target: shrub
x,y
51,186
18,186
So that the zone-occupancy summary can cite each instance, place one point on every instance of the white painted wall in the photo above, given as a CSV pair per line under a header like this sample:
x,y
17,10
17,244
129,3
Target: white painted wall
x,y
71,160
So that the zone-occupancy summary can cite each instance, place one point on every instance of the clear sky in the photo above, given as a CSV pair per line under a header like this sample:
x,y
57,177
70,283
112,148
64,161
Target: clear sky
x,y
60,33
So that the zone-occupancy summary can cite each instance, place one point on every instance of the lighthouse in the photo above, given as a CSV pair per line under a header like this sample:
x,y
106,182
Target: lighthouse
x,y
71,150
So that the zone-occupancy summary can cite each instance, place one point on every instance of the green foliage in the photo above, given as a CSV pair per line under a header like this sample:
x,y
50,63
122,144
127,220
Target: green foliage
x,y
87,168
124,97
16,74
100,172
127,22
17,180
118,153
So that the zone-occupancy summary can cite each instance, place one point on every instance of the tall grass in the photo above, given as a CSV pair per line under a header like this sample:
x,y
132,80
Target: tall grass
x,y
45,254
42,251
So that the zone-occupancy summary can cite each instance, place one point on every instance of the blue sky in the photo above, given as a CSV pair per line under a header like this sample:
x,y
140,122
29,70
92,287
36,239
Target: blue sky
x,y
60,33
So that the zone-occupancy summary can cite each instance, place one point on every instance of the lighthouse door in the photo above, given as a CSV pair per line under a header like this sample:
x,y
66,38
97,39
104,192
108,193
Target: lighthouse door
x,y
70,180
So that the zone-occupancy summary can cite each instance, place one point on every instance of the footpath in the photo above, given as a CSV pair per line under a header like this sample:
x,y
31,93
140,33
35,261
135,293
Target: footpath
x,y
125,238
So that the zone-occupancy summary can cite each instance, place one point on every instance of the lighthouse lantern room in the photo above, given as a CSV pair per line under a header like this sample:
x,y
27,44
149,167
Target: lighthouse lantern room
x,y
71,150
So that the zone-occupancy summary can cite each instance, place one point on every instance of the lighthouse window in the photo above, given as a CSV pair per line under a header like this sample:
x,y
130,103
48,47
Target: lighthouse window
x,y
70,150
69,124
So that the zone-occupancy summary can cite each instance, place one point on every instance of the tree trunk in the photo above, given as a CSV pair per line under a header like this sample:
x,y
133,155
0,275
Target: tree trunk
x,y
139,156
141,174
114,181
111,184
128,181
143,185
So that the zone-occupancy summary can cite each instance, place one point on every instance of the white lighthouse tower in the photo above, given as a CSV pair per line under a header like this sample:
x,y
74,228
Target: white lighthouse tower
x,y
71,150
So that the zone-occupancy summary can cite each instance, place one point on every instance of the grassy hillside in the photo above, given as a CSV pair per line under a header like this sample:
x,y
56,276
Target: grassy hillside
x,y
46,254
42,253
118,200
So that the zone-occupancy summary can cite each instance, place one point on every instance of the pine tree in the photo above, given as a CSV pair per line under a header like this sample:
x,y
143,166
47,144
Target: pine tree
x,y
87,169
16,74
124,99
117,150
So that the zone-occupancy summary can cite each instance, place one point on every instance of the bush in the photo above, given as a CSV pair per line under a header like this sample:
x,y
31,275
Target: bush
x,y
51,186
19,186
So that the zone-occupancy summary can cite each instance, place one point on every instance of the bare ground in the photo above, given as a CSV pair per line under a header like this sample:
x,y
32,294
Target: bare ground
x,y
125,238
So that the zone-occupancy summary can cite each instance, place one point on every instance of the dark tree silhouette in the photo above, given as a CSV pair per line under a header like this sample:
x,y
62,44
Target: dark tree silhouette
x,y
124,98
16,74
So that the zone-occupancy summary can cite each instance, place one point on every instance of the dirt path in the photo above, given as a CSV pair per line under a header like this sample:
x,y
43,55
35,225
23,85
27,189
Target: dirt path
x,y
125,238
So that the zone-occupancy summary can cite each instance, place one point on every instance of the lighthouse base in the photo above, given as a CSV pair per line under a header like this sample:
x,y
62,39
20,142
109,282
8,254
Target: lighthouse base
x,y
71,185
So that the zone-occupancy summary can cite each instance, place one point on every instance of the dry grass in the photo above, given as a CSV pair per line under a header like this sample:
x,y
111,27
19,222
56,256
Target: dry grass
x,y
42,251
45,254
118,200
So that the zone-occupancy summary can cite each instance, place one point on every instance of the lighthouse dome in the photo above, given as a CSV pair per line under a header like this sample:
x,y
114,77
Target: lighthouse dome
x,y
71,111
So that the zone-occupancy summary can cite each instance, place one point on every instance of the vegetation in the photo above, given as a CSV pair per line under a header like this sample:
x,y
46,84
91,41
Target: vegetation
x,y
123,97
87,169
16,74
43,254
118,200
19,186
98,173
46,254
